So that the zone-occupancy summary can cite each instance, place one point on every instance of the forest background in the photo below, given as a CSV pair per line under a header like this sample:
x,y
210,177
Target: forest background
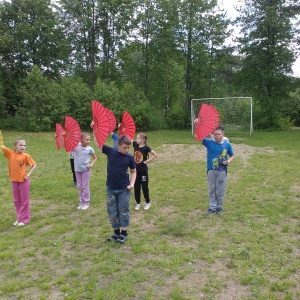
x,y
147,57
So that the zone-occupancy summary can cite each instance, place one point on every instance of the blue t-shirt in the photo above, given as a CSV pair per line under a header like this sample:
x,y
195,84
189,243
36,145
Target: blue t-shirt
x,y
82,157
117,168
216,154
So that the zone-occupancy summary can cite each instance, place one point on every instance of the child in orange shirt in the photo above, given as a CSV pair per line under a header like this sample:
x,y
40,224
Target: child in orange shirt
x,y
18,161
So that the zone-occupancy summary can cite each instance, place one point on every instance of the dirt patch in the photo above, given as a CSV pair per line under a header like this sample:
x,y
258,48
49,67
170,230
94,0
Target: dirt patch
x,y
233,291
179,153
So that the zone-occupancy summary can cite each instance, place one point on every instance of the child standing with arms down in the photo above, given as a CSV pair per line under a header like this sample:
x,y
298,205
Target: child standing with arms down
x,y
219,155
82,154
141,157
118,187
18,161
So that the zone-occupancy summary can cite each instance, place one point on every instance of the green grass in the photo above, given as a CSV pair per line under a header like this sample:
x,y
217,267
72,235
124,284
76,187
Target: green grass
x,y
174,250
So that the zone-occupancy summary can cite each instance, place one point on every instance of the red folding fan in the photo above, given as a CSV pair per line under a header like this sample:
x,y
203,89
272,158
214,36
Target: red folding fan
x,y
127,126
101,123
59,136
72,133
208,120
111,120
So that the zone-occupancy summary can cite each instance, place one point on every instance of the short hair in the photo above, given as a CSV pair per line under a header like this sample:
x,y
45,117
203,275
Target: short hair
x,y
220,128
17,140
124,139
84,134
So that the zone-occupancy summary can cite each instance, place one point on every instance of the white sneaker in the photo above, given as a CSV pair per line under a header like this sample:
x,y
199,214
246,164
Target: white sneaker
x,y
21,224
137,207
147,206
80,206
85,206
16,223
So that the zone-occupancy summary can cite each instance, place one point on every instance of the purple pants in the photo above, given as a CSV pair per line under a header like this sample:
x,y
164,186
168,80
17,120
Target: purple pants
x,y
83,181
22,200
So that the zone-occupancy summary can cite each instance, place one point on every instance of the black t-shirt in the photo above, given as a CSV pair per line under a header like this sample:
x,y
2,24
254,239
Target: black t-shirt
x,y
141,154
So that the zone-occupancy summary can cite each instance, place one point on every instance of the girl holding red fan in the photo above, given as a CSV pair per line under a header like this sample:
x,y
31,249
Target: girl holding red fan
x,y
82,154
141,157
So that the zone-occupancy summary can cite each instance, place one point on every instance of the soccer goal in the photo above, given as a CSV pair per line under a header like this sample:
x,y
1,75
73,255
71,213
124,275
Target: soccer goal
x,y
235,112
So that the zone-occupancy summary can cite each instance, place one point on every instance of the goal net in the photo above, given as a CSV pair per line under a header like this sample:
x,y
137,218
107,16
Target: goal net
x,y
235,112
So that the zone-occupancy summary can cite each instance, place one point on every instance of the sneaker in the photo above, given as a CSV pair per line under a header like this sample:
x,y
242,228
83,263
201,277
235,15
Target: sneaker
x,y
85,206
16,223
21,224
219,212
147,206
210,212
137,207
121,239
113,238
80,205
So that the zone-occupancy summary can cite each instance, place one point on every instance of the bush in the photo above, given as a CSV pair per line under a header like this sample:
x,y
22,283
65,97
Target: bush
x,y
178,118
19,123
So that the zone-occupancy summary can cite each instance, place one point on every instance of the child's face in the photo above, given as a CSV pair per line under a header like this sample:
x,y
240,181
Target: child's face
x,y
85,141
124,149
20,146
218,135
139,140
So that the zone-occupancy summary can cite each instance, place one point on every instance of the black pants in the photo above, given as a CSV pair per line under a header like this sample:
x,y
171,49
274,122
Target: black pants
x,y
73,169
142,180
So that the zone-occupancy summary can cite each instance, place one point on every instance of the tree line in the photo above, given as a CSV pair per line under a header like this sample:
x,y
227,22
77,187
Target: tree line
x,y
147,57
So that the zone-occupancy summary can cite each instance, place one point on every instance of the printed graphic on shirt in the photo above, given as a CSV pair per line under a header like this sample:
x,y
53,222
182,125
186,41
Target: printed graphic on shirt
x,y
138,157
218,161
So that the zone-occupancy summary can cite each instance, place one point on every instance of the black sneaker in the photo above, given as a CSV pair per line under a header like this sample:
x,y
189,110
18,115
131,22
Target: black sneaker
x,y
113,238
210,212
121,239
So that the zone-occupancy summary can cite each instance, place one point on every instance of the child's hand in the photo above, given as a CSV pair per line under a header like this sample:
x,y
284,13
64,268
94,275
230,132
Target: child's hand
x,y
92,124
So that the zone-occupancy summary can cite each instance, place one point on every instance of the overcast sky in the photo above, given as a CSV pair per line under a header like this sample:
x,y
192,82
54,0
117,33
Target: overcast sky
x,y
228,5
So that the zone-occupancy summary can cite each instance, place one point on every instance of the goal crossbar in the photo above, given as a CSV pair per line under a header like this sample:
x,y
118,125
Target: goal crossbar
x,y
245,114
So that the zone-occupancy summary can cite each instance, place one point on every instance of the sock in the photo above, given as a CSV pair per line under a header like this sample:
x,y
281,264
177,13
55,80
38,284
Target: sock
x,y
117,231
124,232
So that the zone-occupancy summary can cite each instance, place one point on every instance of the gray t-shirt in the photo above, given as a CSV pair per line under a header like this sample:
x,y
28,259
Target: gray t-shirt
x,y
82,157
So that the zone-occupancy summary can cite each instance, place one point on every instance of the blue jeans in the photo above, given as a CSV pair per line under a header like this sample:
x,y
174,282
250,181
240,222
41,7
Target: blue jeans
x,y
118,208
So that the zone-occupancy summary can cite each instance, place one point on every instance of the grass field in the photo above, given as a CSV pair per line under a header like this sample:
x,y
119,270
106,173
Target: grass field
x,y
174,250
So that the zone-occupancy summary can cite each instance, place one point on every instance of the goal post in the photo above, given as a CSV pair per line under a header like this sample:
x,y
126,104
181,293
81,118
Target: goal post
x,y
235,112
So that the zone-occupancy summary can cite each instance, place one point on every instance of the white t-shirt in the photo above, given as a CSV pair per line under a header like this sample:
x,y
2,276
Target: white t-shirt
x,y
82,157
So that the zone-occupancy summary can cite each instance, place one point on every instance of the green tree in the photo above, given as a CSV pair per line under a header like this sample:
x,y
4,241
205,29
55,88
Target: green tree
x,y
267,56
81,22
77,97
30,35
41,104
202,32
